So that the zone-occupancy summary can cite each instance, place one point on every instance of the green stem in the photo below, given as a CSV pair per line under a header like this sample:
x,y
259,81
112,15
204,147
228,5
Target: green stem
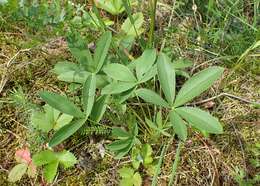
x,y
158,167
96,12
175,163
153,4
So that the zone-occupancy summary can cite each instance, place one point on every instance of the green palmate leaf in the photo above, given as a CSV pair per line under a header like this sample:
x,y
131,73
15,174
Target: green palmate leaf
x,y
117,87
102,50
61,103
126,172
114,7
125,95
41,121
151,124
200,119
137,180
74,76
81,77
197,84
120,133
17,172
49,119
182,73
63,120
166,77
159,120
151,97
44,157
122,152
50,171
147,154
150,74
84,57
133,28
181,64
145,62
80,51
179,125
99,108
119,144
119,72
66,132
89,90
67,159
62,67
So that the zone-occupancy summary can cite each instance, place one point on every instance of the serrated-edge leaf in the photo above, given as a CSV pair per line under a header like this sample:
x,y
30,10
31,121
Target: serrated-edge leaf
x,y
178,125
61,103
89,90
40,121
126,172
200,119
102,50
65,132
50,171
197,84
119,72
137,180
166,76
44,157
151,97
67,159
17,172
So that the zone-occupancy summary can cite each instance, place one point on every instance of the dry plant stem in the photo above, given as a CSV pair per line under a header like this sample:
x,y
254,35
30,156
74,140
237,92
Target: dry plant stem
x,y
228,95
241,145
216,173
7,65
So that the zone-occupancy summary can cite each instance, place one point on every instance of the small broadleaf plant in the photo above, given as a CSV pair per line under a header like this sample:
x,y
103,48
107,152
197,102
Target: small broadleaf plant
x,y
92,107
125,141
50,161
114,7
121,82
129,177
25,165
181,115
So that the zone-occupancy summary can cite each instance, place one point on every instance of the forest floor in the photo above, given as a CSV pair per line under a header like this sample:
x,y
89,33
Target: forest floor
x,y
231,158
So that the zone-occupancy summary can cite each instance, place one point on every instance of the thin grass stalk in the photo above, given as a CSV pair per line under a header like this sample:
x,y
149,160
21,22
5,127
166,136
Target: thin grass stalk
x,y
256,10
169,25
153,5
158,167
175,163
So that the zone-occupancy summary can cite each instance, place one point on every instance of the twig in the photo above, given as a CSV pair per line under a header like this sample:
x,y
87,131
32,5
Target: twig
x,y
7,65
228,95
